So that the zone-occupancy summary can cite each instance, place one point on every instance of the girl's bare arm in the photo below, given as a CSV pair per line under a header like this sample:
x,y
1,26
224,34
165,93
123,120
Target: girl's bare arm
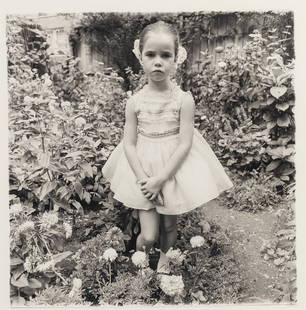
x,y
185,139
130,139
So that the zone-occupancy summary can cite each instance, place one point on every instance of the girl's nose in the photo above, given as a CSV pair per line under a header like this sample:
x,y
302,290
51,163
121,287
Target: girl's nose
x,y
157,61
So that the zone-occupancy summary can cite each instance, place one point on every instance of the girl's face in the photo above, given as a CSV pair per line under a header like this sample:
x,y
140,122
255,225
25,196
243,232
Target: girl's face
x,y
158,56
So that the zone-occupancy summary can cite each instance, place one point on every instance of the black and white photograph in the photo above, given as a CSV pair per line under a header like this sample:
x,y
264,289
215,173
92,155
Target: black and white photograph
x,y
151,157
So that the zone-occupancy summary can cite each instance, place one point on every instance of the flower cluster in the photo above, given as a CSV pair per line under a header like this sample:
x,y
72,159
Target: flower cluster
x,y
175,256
15,208
76,287
68,230
28,225
110,255
197,241
140,259
27,265
45,266
49,219
172,285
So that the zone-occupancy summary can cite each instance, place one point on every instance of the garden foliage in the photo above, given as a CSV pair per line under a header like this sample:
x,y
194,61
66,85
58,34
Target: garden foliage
x,y
70,241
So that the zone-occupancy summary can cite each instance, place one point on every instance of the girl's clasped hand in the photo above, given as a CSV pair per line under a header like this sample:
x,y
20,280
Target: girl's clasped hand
x,y
151,188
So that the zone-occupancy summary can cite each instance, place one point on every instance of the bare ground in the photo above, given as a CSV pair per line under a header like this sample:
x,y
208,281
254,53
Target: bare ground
x,y
248,232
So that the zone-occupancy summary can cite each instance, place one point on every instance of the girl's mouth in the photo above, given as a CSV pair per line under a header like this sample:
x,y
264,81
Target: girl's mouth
x,y
157,71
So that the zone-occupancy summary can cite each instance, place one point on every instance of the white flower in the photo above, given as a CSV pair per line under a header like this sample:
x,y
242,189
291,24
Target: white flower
x,y
27,99
110,254
66,106
27,265
140,259
16,208
221,64
76,287
77,283
175,256
12,80
48,82
68,229
49,219
80,121
197,241
172,285
181,55
129,93
28,225
45,266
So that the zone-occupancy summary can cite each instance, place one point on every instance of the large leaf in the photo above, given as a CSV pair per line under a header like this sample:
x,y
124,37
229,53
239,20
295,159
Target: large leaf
x,y
280,152
44,159
47,188
273,165
33,283
21,282
277,92
16,261
61,256
79,189
78,206
282,106
87,168
283,121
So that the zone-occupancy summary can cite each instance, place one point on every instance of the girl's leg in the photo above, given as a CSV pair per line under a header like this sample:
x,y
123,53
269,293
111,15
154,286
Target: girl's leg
x,y
168,230
149,225
168,236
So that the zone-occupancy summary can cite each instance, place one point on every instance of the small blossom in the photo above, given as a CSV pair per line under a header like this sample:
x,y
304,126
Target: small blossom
x,y
48,82
129,93
175,256
66,106
140,259
197,241
49,219
222,64
68,230
28,225
172,285
16,208
110,254
27,265
80,121
77,283
27,99
45,266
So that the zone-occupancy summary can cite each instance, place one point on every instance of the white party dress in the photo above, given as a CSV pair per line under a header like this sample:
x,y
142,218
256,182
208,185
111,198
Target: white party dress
x,y
199,179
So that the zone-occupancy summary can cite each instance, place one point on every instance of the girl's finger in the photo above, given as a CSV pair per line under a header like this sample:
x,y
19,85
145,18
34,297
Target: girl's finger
x,y
142,182
153,197
148,195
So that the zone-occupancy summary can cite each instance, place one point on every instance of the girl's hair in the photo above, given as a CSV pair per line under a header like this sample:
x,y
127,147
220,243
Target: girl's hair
x,y
159,27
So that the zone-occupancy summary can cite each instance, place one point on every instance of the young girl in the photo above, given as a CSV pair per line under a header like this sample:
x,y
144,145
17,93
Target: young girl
x,y
163,167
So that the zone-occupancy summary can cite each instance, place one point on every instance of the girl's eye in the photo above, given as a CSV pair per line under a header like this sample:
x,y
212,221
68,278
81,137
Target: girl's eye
x,y
150,54
166,55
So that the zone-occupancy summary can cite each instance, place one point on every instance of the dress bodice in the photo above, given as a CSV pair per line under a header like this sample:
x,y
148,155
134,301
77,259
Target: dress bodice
x,y
158,117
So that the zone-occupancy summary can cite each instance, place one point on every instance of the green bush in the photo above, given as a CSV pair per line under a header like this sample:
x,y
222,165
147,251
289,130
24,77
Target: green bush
x,y
256,193
245,106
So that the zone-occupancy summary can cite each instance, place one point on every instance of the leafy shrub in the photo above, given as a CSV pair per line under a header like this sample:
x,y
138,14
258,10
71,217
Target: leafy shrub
x,y
36,249
129,289
253,194
206,267
250,87
57,148
56,296
92,268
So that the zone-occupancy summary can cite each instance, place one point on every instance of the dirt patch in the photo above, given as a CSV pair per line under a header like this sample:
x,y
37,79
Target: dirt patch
x,y
248,232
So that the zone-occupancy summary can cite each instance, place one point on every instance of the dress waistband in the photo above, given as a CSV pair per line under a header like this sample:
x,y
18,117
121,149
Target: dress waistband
x,y
166,133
